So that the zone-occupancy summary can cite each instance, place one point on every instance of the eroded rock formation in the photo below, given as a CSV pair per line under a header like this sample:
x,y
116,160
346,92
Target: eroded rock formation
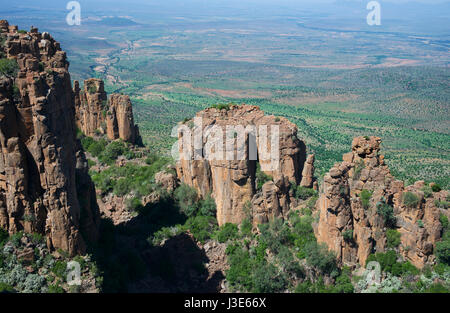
x,y
113,117
344,214
231,179
44,185
308,172
120,121
91,106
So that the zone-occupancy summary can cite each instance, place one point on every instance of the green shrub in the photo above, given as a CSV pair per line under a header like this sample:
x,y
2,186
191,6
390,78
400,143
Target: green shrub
x,y
304,193
386,260
261,177
241,264
207,206
268,279
112,151
441,204
121,187
8,67
187,199
91,163
36,238
202,227
427,191
404,268
393,238
318,256
41,67
275,234
134,204
85,141
97,147
222,106
246,228
91,88
16,92
437,288
5,288
442,250
410,199
436,187
348,235
60,269
343,283
15,238
55,289
227,232
3,236
303,234
444,220
420,223
365,196
134,177
387,212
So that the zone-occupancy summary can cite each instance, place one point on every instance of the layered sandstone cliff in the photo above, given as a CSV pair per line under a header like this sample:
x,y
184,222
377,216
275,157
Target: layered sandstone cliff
x,y
44,185
344,213
95,113
231,179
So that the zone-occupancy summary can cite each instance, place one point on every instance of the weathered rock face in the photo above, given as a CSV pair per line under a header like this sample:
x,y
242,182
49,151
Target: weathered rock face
x,y
342,210
44,185
167,180
120,121
91,106
230,174
308,172
113,117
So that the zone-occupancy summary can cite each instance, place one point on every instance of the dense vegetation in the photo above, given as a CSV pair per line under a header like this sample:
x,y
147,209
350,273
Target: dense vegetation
x,y
40,271
8,67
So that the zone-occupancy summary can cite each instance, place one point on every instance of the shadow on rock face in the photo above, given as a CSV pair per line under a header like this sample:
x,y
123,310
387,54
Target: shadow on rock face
x,y
129,262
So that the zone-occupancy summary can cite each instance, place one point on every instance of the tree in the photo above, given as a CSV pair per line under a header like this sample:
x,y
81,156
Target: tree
x,y
443,249
393,238
387,212
348,235
208,206
8,67
317,255
187,199
227,232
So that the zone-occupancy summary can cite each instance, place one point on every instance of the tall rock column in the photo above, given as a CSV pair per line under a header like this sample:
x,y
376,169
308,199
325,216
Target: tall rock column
x,y
119,119
91,106
41,162
97,115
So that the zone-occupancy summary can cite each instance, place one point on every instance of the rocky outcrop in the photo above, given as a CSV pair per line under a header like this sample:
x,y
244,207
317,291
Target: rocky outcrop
x,y
97,115
354,195
166,180
119,119
44,185
91,106
224,161
308,172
